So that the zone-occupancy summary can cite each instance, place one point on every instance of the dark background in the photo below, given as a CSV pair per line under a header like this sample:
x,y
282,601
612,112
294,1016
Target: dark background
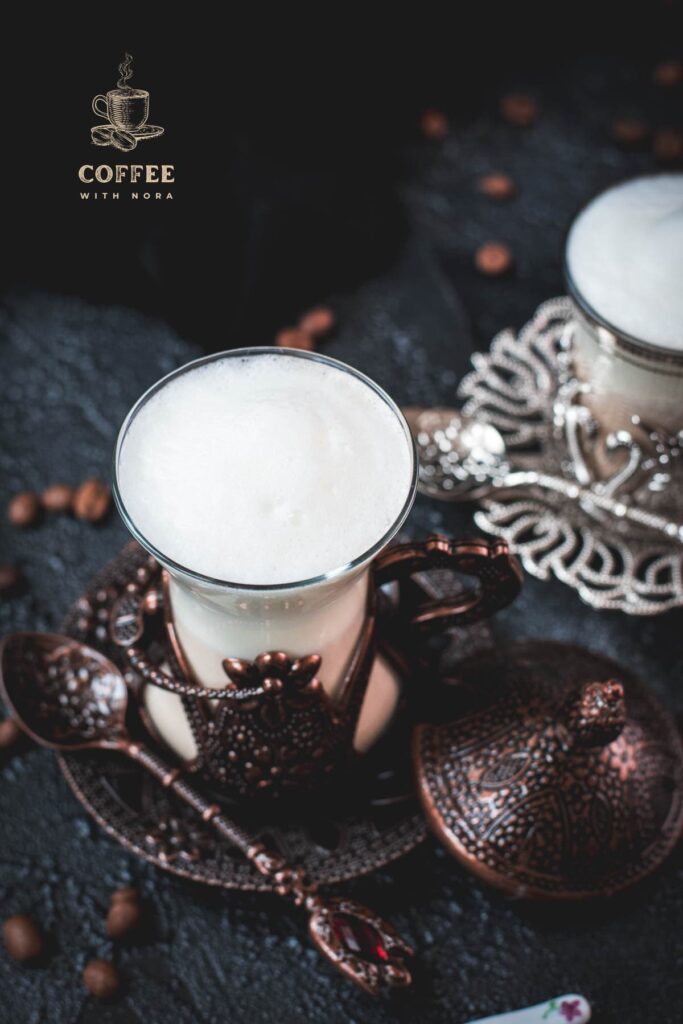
x,y
302,177
292,139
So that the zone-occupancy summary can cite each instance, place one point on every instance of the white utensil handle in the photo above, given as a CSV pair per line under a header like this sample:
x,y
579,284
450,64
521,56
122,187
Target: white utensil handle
x,y
569,1009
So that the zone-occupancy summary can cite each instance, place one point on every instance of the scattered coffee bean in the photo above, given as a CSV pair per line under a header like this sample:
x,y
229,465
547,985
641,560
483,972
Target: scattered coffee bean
x,y
57,498
23,938
317,321
9,733
629,131
493,259
519,108
9,578
24,509
434,125
101,978
125,893
294,337
668,73
91,501
668,146
497,186
123,917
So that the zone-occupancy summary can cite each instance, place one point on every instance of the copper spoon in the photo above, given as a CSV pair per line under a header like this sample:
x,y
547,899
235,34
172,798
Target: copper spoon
x,y
69,697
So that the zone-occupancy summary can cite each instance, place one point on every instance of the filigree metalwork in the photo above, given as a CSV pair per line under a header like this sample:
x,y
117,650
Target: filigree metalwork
x,y
615,539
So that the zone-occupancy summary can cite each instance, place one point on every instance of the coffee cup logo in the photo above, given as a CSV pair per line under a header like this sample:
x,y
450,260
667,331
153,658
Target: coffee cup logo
x,y
126,111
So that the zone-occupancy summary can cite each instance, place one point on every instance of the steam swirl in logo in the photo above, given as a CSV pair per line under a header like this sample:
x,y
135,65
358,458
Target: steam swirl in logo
x,y
126,72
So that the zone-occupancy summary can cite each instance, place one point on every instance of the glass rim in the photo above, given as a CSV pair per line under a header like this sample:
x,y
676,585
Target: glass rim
x,y
171,564
631,341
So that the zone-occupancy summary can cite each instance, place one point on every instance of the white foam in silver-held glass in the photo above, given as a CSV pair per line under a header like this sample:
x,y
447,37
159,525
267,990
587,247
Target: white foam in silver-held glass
x,y
624,269
266,481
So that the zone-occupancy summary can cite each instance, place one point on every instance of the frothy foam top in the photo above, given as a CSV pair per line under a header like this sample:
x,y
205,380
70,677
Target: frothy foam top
x,y
625,254
264,469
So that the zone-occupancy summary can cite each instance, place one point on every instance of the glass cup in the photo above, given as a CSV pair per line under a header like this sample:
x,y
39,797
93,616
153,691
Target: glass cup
x,y
627,380
214,618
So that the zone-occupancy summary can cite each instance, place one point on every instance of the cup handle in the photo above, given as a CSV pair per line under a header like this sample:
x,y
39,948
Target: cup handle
x,y
499,576
100,113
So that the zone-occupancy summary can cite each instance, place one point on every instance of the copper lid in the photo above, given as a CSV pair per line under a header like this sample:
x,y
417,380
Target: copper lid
x,y
560,778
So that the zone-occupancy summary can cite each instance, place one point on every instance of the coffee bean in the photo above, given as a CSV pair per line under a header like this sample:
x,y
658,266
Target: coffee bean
x,y
10,734
668,146
497,186
23,938
101,135
519,108
92,501
57,498
317,321
629,131
24,509
9,578
668,73
123,917
294,337
493,259
101,978
125,893
434,125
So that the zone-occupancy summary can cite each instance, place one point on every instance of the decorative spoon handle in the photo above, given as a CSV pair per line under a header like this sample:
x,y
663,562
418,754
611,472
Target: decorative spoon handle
x,y
363,946
570,1009
589,496
171,778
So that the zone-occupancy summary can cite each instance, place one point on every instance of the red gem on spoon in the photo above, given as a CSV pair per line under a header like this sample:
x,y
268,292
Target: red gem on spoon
x,y
359,938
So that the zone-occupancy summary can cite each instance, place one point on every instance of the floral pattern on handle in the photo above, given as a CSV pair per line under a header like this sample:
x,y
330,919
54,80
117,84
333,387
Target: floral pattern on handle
x,y
566,1009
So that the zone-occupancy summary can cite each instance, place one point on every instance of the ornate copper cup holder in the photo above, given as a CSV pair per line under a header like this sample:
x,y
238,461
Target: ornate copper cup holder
x,y
359,826
273,731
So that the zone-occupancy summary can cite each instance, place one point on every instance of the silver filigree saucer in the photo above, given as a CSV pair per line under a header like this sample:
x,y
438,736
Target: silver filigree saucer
x,y
615,539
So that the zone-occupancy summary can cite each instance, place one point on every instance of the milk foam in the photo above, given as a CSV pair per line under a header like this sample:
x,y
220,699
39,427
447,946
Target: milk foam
x,y
625,254
264,469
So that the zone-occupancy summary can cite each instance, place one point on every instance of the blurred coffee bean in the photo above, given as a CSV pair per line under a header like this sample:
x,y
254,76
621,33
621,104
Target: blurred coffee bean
x,y
23,938
24,509
57,498
497,186
493,259
101,978
519,108
434,125
123,918
92,500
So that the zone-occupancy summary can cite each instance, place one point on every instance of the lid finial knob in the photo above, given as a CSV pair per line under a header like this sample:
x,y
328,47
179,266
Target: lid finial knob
x,y
596,713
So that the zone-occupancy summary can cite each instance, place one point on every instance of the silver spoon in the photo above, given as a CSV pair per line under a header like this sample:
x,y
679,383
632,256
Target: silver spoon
x,y
463,459
69,697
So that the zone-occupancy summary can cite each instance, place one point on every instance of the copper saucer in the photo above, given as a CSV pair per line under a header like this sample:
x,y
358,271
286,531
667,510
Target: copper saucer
x,y
345,838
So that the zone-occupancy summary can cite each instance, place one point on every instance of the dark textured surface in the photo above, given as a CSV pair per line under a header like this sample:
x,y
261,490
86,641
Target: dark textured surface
x,y
69,373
